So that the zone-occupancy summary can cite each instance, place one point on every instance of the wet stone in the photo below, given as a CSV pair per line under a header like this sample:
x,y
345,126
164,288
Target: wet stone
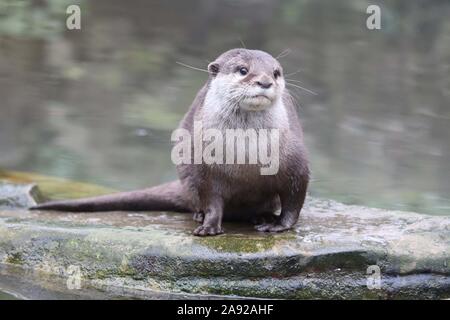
x,y
335,251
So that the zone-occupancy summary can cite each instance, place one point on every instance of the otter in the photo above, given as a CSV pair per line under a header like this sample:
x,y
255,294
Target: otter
x,y
245,89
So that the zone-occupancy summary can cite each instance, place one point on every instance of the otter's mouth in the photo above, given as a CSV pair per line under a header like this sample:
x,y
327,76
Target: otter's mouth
x,y
258,99
260,96
256,102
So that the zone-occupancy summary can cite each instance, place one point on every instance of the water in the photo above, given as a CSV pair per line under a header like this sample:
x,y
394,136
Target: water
x,y
98,105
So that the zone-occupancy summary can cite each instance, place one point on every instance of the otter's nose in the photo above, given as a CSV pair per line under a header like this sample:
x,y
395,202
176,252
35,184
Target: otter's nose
x,y
265,84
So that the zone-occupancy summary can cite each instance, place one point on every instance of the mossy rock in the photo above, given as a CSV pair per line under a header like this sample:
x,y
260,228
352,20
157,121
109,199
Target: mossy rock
x,y
140,254
54,188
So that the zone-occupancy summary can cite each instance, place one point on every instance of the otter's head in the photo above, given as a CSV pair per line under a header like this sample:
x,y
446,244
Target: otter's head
x,y
250,79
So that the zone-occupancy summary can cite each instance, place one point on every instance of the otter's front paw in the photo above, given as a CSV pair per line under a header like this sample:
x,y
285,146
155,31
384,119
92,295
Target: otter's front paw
x,y
272,227
203,231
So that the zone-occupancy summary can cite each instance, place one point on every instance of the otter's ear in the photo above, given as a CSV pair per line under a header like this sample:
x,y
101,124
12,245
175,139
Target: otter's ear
x,y
213,68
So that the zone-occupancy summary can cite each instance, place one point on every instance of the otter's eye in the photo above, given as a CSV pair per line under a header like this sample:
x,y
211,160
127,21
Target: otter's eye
x,y
276,73
243,71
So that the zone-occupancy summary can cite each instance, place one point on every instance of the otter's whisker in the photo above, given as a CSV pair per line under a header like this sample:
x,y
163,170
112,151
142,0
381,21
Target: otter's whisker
x,y
242,42
191,67
299,87
294,99
291,74
293,80
233,98
236,98
283,53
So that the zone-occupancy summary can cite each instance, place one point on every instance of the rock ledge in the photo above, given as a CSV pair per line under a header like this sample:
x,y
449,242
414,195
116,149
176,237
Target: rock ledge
x,y
148,255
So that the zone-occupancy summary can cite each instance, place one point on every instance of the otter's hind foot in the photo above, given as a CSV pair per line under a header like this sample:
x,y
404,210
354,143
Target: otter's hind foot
x,y
203,231
272,227
264,218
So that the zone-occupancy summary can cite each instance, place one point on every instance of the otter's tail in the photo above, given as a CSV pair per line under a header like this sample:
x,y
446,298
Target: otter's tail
x,y
166,197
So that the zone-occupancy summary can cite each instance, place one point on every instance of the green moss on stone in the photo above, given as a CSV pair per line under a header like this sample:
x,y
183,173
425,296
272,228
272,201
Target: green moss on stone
x,y
55,188
244,244
14,258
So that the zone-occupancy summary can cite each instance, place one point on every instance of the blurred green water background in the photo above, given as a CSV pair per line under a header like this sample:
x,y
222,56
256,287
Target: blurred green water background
x,y
99,104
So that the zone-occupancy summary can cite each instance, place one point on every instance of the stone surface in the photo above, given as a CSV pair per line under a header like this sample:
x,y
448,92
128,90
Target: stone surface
x,y
151,255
